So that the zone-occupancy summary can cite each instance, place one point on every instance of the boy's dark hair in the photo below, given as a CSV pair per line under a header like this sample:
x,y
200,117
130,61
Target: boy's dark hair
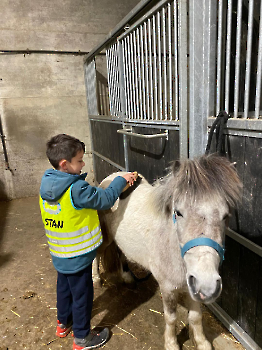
x,y
63,146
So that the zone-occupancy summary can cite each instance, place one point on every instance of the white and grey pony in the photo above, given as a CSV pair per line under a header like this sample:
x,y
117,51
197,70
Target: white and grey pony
x,y
175,229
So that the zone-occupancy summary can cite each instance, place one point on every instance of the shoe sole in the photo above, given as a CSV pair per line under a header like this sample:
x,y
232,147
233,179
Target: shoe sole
x,y
93,347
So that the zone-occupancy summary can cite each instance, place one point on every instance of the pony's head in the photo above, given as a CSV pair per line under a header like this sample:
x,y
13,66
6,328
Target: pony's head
x,y
199,194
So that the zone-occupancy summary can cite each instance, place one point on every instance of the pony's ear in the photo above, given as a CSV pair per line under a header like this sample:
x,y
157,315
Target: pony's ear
x,y
176,166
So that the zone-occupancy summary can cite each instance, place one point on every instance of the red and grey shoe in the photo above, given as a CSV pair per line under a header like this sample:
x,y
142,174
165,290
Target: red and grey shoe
x,y
62,330
92,341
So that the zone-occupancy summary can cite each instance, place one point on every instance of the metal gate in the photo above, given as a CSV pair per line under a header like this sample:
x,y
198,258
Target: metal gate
x,y
154,87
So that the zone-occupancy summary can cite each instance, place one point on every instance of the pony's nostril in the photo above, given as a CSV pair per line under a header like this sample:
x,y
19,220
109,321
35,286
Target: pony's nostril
x,y
219,286
192,279
192,284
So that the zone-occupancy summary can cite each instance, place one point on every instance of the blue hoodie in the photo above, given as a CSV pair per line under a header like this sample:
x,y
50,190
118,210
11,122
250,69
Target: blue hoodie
x,y
55,183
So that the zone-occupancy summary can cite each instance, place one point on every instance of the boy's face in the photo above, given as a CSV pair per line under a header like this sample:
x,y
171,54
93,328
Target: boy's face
x,y
75,166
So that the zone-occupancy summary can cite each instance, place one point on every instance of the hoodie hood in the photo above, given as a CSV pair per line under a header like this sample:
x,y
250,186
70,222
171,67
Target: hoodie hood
x,y
55,183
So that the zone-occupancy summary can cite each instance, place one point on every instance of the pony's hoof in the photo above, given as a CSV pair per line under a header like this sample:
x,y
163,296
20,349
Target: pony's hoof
x,y
127,278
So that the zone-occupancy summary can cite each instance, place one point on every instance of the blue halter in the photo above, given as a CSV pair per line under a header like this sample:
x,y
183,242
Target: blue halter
x,y
202,241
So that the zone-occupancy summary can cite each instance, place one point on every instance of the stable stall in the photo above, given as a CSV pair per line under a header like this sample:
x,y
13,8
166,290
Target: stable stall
x,y
170,68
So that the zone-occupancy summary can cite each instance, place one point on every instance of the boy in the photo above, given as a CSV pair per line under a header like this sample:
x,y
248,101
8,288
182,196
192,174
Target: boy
x,y
69,207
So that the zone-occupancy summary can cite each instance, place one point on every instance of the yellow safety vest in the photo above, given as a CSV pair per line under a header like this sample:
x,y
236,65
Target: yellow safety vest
x,y
70,231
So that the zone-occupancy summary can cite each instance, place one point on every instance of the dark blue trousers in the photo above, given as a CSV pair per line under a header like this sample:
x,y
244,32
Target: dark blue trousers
x,y
75,300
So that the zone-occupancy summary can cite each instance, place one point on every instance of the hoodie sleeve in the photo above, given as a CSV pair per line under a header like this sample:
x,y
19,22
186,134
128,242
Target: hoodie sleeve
x,y
86,196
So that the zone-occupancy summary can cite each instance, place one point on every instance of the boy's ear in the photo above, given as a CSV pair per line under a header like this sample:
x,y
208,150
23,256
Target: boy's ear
x,y
62,164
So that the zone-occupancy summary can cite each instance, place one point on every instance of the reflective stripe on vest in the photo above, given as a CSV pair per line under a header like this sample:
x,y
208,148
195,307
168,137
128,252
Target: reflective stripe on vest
x,y
70,231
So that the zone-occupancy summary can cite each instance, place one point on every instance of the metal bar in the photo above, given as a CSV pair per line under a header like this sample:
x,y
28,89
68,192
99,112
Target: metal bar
x,y
115,73
113,76
176,60
122,88
114,55
196,72
109,77
147,114
253,125
118,85
183,76
164,63
155,67
150,68
238,53
127,81
111,82
130,133
125,68
202,26
244,241
143,72
159,66
131,77
219,55
125,141
228,54
170,61
259,69
139,73
209,63
170,125
136,74
108,161
131,108
248,57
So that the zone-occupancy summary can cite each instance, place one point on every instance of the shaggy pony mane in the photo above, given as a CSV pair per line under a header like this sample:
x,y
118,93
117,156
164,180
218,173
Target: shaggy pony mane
x,y
203,177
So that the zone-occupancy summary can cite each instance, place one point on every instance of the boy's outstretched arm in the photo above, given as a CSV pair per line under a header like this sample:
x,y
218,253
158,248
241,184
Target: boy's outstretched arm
x,y
86,196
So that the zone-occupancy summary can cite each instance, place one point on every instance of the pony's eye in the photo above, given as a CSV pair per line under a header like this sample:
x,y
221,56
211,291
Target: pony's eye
x,y
226,217
178,213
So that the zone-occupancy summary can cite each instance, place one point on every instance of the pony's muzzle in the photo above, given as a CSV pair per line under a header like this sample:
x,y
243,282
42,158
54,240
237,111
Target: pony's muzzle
x,y
202,294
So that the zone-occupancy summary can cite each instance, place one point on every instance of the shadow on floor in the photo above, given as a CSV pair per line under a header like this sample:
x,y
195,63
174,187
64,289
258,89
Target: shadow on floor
x,y
4,207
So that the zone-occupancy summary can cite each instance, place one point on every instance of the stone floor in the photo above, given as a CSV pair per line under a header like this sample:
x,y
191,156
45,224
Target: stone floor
x,y
28,296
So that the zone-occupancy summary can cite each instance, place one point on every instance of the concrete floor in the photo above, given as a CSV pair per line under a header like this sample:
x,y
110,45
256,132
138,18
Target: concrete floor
x,y
28,296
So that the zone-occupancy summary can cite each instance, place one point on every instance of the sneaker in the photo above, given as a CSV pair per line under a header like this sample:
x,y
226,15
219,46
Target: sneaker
x,y
92,341
62,330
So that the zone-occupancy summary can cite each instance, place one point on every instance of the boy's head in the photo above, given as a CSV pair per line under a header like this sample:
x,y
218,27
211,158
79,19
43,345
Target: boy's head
x,y
66,153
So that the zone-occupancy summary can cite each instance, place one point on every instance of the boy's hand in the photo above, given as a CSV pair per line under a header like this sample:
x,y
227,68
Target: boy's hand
x,y
130,177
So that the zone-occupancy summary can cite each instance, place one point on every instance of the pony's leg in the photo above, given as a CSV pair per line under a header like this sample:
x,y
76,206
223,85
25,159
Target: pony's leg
x,y
170,305
196,326
95,270
124,270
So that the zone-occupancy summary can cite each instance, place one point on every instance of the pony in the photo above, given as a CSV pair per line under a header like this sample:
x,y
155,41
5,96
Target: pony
x,y
175,229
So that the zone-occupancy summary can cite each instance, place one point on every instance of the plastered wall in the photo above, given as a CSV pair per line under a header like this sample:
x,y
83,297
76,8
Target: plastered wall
x,y
42,94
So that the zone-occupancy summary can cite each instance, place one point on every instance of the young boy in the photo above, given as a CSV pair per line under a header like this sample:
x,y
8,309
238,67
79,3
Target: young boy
x,y
69,207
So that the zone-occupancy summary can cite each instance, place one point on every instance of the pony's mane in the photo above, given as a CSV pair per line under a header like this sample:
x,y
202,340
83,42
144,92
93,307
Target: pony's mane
x,y
206,176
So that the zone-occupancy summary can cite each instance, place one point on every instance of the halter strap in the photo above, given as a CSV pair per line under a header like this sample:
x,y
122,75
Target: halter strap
x,y
205,242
